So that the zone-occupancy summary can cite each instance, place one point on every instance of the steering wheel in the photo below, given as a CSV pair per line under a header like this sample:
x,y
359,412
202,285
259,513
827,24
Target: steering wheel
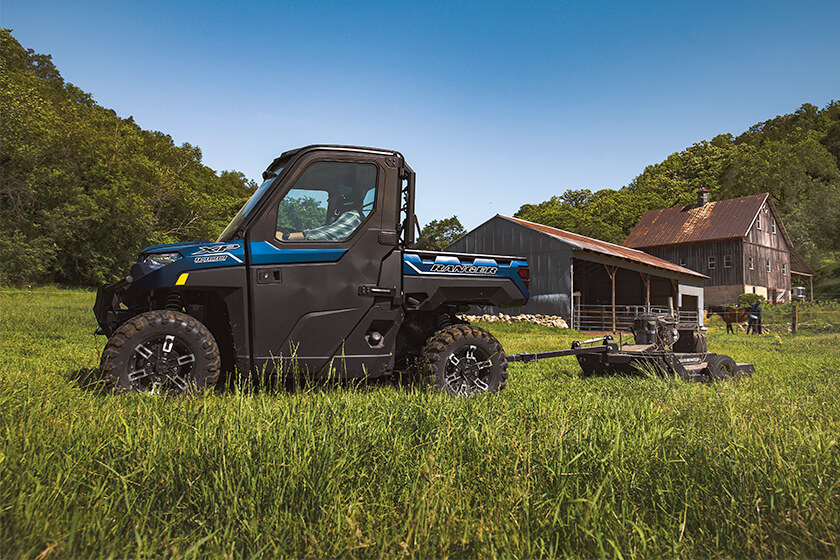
x,y
283,232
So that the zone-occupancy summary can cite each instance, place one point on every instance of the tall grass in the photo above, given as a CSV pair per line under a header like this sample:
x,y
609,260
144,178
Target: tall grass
x,y
555,465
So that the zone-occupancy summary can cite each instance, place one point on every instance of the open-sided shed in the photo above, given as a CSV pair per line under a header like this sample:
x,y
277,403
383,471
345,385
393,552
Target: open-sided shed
x,y
591,283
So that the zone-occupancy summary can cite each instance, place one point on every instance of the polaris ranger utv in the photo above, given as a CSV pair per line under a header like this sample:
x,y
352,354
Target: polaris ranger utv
x,y
317,273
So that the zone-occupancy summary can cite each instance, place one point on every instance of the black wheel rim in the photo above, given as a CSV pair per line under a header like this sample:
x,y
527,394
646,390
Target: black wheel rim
x,y
468,371
162,364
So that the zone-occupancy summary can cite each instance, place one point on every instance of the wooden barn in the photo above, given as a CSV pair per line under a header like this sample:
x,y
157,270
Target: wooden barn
x,y
592,284
740,243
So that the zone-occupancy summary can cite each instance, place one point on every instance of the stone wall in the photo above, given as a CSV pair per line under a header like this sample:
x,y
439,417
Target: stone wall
x,y
546,320
722,295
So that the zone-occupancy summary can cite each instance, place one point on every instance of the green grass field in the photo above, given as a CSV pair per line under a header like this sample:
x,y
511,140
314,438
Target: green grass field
x,y
553,466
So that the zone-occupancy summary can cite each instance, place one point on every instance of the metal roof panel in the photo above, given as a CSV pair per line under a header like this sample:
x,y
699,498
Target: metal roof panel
x,y
597,246
723,219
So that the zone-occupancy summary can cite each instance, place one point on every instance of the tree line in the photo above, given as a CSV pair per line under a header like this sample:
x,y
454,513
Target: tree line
x,y
83,190
794,157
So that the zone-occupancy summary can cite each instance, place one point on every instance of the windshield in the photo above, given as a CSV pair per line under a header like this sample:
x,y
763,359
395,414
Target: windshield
x,y
247,208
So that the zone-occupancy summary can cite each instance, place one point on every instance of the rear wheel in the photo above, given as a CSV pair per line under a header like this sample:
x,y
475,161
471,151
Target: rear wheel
x,y
464,360
721,367
162,352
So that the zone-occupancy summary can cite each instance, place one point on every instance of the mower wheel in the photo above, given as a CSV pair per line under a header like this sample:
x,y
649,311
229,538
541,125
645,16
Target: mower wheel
x,y
464,360
721,366
161,351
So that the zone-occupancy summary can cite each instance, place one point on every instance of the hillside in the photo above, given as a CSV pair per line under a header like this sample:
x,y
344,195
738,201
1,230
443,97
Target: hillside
x,y
83,190
795,157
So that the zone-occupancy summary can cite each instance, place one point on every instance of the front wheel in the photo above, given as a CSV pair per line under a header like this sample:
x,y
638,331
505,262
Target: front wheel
x,y
464,360
161,351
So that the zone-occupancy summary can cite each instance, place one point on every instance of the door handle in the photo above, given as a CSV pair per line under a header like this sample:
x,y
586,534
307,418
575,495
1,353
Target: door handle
x,y
269,276
377,291
388,238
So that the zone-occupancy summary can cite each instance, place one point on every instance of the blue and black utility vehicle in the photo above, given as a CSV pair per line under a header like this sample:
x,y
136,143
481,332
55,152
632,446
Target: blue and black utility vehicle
x,y
319,274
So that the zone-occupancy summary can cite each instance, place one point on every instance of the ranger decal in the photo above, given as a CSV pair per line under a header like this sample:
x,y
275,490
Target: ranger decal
x,y
463,269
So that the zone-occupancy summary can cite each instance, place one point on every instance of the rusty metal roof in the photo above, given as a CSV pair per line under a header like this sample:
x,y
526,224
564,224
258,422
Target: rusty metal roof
x,y
723,219
581,242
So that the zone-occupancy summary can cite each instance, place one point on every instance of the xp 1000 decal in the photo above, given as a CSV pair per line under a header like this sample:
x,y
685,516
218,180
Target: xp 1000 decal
x,y
216,253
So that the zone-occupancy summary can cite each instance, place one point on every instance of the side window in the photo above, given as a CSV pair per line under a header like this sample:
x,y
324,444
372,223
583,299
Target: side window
x,y
328,202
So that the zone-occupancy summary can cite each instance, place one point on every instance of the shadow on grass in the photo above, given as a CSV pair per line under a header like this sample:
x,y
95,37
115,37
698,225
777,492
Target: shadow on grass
x,y
89,379
265,383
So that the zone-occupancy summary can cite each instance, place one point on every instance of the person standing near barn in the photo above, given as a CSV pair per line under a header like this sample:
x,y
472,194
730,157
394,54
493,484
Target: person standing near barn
x,y
751,319
754,324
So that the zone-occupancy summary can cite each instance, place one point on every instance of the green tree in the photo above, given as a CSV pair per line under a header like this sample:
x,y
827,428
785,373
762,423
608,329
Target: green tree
x,y
82,190
300,213
437,234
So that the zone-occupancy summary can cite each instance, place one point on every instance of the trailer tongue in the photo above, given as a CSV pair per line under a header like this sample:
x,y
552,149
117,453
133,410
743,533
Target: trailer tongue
x,y
660,348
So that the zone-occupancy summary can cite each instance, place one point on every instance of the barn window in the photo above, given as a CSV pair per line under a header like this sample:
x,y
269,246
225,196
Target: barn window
x,y
768,266
751,263
784,270
773,225
682,261
758,222
711,263
727,261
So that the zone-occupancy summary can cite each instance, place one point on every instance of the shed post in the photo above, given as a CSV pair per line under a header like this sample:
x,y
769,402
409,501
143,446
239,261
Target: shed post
x,y
675,310
611,271
646,280
572,292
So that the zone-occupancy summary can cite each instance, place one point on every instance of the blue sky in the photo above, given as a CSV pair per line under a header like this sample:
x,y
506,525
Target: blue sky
x,y
494,104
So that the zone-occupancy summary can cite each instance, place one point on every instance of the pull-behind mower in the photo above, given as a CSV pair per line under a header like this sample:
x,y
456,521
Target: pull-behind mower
x,y
659,347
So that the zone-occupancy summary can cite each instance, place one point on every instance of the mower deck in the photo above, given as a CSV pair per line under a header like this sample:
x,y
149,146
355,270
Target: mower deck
x,y
642,359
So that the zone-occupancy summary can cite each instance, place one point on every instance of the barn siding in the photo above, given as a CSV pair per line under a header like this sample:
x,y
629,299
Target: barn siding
x,y
765,236
779,276
696,257
549,260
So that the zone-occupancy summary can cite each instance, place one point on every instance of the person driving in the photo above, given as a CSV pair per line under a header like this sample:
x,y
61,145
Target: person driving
x,y
347,216
341,228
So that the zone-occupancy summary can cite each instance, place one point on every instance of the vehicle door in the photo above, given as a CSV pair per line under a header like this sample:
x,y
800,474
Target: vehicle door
x,y
324,268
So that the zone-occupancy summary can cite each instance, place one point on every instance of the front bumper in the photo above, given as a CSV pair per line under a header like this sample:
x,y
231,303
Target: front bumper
x,y
107,307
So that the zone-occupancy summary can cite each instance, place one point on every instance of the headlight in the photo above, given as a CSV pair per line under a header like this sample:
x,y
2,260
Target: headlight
x,y
160,259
